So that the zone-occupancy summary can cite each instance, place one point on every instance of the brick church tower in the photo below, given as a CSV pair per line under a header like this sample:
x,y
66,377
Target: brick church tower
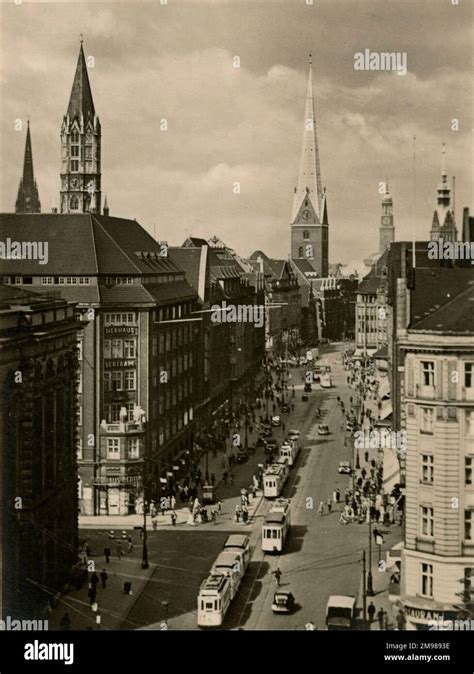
x,y
27,200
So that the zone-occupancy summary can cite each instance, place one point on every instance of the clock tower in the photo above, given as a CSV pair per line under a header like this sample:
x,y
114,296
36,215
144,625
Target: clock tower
x,y
80,148
386,229
309,224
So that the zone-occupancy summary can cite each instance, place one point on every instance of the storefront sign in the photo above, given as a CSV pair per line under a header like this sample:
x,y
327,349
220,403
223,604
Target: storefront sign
x,y
108,363
120,330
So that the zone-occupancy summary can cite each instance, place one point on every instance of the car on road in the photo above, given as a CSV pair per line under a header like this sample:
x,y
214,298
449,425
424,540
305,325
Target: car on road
x,y
323,429
307,388
294,434
344,468
276,420
285,408
304,397
270,445
283,602
350,425
241,455
266,431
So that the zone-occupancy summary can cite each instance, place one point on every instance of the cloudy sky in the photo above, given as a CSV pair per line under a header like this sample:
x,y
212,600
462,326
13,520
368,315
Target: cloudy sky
x,y
225,124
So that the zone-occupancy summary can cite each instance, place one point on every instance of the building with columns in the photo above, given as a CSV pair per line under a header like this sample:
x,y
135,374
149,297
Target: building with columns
x,y
309,221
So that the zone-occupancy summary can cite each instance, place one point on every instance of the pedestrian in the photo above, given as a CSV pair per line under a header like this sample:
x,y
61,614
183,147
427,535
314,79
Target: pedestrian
x,y
103,578
371,611
277,574
92,594
214,515
119,551
65,622
401,620
94,580
385,620
329,504
130,544
334,496
245,515
174,517
338,495
154,524
107,554
321,508
224,478
380,618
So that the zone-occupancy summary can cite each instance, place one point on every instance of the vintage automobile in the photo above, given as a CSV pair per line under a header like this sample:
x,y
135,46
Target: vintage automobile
x,y
283,602
307,388
276,420
323,429
344,468
304,397
241,456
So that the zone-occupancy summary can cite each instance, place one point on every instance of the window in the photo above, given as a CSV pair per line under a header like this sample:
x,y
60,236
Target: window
x,y
427,372
130,407
300,251
74,203
130,380
468,465
469,375
120,319
79,415
133,448
427,521
112,413
116,381
426,419
107,381
470,423
79,349
306,235
427,580
74,165
75,137
47,280
79,382
468,520
427,468
107,348
74,150
117,348
129,348
79,449
113,448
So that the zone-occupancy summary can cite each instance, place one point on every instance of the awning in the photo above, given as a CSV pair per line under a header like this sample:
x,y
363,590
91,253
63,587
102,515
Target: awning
x,y
384,388
391,470
386,410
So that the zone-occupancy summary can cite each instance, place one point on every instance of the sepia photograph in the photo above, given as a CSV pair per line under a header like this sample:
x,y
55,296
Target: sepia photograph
x,y
237,324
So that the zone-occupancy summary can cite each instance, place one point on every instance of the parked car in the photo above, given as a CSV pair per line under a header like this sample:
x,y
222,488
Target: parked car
x,y
294,432
276,420
304,397
285,408
344,468
270,445
323,429
283,602
307,388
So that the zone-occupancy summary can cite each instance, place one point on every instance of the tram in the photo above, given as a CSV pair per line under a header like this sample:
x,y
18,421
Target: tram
x,y
275,477
325,381
230,563
289,450
239,543
276,526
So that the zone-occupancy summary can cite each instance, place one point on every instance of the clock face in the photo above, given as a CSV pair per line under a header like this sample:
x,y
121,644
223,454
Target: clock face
x,y
306,215
386,220
74,183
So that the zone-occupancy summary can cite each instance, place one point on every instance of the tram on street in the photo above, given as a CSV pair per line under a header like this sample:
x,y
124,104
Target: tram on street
x,y
239,543
230,564
276,526
213,600
289,450
325,381
274,478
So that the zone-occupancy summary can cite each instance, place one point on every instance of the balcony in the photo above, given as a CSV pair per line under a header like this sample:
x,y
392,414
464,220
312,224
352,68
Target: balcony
x,y
123,427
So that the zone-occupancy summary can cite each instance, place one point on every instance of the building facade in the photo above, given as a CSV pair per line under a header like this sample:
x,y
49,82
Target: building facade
x,y
38,440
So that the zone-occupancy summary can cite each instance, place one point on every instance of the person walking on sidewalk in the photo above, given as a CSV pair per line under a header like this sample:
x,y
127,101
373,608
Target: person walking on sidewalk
x,y
321,508
174,517
277,574
329,505
371,611
94,580
219,506
119,551
130,544
381,618
103,578
401,620
107,554
92,593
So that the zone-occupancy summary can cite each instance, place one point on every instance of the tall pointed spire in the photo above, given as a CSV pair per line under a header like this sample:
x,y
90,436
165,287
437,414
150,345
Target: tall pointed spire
x,y
443,224
80,148
27,200
81,100
309,178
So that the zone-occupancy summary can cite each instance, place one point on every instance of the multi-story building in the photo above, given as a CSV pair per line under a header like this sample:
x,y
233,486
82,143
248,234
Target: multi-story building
x,y
371,318
435,339
38,426
309,221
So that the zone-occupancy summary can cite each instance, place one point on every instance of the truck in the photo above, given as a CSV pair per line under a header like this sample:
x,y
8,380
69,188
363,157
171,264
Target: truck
x,y
340,612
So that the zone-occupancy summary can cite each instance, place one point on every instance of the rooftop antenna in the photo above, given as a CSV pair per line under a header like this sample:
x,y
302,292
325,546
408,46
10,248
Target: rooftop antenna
x,y
414,204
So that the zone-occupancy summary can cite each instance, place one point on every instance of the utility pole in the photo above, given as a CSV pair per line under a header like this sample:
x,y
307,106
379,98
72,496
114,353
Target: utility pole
x,y
370,588
364,589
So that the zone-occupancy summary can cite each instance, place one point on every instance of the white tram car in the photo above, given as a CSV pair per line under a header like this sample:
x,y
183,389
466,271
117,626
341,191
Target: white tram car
x,y
289,451
276,526
275,477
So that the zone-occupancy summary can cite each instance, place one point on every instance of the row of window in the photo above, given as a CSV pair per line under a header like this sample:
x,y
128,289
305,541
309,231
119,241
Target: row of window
x,y
427,420
113,448
427,469
427,523
427,579
120,380
428,373
65,280
119,280
120,348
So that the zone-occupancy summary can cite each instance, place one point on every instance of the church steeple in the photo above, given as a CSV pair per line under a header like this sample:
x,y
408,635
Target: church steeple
x,y
27,200
309,221
309,178
443,225
387,229
81,147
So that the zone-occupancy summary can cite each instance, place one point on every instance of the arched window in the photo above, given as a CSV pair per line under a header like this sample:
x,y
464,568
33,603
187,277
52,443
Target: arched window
x,y
74,203
305,235
300,251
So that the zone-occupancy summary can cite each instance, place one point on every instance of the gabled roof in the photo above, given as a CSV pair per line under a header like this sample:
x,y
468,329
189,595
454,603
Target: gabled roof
x,y
194,242
188,259
442,300
258,253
